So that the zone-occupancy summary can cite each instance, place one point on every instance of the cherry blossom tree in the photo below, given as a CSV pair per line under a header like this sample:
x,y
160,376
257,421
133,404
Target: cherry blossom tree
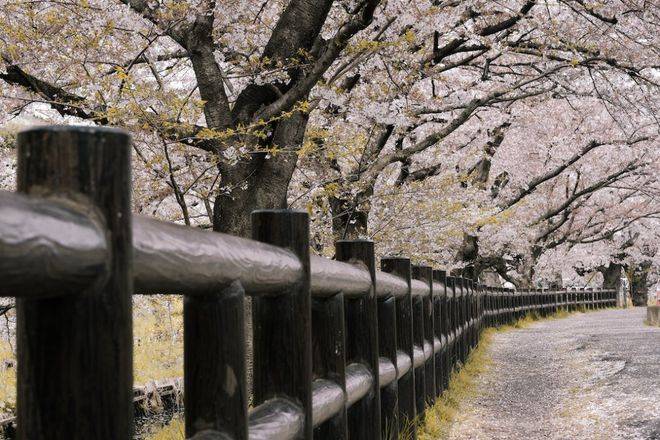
x,y
484,134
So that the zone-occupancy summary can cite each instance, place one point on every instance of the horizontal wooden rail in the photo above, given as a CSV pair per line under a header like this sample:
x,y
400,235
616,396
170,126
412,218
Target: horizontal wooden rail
x,y
58,245
49,242
182,260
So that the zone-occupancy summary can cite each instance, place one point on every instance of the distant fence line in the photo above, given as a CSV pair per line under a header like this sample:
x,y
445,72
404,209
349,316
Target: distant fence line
x,y
341,349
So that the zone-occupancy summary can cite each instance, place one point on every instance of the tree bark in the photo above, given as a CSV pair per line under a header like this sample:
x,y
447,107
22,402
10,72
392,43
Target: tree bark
x,y
639,284
259,181
611,276
349,221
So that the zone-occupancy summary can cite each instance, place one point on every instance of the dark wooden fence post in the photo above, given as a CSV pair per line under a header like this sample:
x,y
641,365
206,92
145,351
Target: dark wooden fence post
x,y
493,306
387,348
404,328
462,288
458,299
480,309
453,322
512,315
467,292
471,314
418,344
580,298
362,340
496,306
489,306
587,298
425,274
75,371
215,392
282,328
329,357
440,328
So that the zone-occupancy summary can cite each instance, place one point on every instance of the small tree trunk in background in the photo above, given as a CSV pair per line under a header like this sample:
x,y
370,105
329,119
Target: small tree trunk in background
x,y
611,276
639,284
469,250
469,254
349,220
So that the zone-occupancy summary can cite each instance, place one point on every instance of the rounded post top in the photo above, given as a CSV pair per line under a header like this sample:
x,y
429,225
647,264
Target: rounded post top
x,y
394,258
92,130
280,211
358,240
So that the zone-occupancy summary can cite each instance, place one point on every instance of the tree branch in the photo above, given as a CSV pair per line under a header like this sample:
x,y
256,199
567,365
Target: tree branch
x,y
531,187
332,50
591,188
64,102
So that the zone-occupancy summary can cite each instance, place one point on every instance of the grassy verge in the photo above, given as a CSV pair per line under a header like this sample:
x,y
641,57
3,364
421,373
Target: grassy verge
x,y
172,431
7,378
439,418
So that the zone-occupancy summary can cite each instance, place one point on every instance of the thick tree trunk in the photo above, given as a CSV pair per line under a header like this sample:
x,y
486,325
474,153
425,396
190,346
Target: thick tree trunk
x,y
257,182
469,251
350,214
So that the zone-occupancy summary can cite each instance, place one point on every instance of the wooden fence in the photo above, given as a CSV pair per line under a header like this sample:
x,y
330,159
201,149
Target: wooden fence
x,y
341,349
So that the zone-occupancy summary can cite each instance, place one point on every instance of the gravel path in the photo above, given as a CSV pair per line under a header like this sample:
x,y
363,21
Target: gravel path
x,y
588,376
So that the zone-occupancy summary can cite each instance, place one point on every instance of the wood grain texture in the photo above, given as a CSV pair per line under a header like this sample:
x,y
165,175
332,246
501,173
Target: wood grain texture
x,y
75,352
441,330
171,258
330,277
387,348
404,338
214,363
49,245
362,339
282,328
329,358
425,275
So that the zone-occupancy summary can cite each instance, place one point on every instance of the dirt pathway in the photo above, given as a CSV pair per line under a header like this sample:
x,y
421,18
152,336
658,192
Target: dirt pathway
x,y
588,376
